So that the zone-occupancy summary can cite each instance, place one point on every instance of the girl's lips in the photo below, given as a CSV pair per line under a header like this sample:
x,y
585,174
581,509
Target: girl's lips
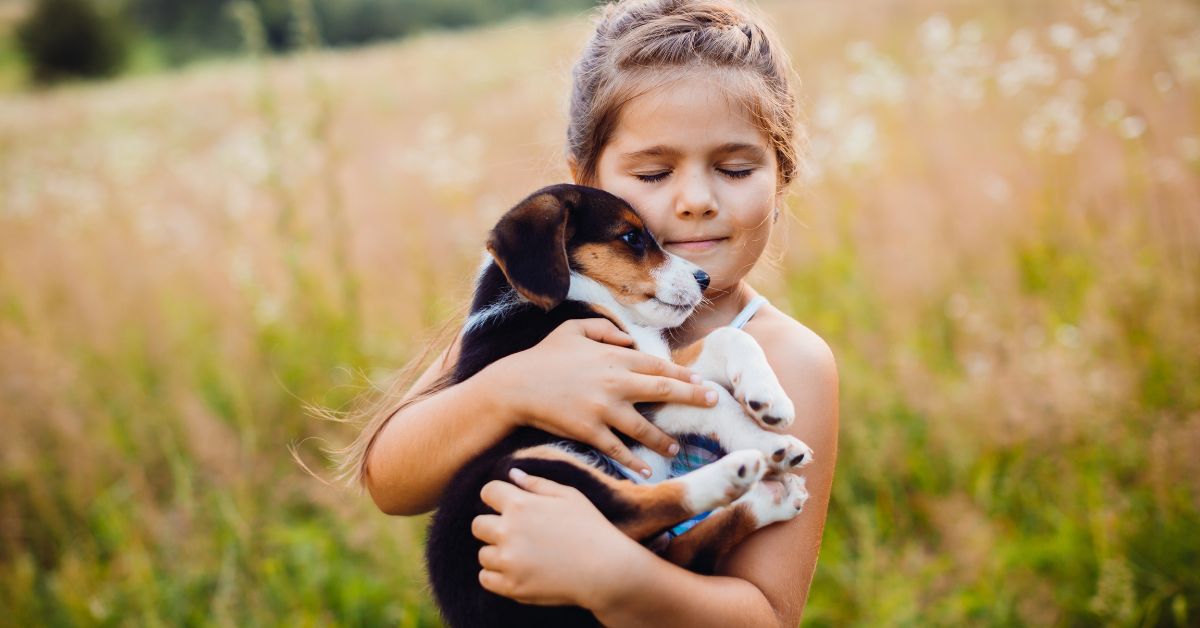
x,y
695,247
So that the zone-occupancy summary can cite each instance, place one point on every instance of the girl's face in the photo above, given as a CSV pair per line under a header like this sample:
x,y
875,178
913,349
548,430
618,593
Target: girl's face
x,y
700,174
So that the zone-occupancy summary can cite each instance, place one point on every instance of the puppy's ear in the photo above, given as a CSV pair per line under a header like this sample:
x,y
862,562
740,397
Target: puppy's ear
x,y
530,246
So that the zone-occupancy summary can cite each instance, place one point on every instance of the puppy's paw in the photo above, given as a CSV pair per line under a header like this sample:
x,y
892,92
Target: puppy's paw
x,y
785,452
725,480
775,500
762,397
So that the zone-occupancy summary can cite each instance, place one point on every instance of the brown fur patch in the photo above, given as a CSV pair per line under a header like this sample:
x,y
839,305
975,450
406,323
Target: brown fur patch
x,y
687,356
633,219
658,506
614,266
710,540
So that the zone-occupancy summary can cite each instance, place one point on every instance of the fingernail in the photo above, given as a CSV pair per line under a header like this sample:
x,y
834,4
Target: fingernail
x,y
710,397
646,473
517,474
696,379
673,448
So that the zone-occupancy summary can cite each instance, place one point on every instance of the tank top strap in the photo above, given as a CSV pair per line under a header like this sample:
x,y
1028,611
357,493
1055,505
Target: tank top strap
x,y
748,312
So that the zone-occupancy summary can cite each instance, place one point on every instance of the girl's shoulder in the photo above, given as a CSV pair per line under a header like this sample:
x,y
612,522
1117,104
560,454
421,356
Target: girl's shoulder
x,y
789,344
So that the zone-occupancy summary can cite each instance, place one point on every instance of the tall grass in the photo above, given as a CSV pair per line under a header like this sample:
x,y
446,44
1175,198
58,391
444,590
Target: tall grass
x,y
999,236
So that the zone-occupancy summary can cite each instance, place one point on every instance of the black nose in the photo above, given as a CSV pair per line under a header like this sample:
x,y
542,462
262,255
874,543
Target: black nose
x,y
702,278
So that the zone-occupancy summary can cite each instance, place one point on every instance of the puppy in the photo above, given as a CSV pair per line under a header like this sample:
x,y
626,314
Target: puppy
x,y
571,252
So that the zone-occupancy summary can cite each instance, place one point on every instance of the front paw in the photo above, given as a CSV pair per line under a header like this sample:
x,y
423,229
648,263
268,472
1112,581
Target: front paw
x,y
785,452
776,500
762,397
723,481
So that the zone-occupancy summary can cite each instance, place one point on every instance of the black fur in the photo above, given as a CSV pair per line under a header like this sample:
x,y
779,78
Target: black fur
x,y
451,550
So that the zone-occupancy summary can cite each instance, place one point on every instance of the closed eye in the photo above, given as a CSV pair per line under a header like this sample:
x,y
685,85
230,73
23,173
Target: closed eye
x,y
728,172
652,178
736,174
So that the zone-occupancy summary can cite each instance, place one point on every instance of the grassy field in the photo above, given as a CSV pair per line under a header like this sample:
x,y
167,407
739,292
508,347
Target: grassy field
x,y
998,234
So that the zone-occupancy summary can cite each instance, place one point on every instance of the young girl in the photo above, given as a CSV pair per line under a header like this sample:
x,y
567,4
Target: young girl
x,y
685,109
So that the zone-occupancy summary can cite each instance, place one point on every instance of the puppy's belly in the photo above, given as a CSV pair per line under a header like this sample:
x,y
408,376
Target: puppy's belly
x,y
660,466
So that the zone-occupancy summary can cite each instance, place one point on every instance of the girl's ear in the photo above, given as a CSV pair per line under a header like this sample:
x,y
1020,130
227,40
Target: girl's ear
x,y
530,246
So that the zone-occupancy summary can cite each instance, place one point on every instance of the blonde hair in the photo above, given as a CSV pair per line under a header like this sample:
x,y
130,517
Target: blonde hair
x,y
641,44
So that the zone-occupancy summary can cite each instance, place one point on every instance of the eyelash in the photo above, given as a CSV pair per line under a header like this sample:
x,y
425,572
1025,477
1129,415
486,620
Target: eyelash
x,y
732,174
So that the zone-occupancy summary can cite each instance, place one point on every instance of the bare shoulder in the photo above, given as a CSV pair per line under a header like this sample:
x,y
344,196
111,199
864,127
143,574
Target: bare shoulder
x,y
793,349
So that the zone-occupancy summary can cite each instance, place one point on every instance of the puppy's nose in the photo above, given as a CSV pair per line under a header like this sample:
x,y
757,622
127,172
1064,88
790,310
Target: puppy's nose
x,y
702,278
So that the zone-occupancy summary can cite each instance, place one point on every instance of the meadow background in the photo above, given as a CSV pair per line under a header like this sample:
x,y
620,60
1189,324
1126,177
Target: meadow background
x,y
998,233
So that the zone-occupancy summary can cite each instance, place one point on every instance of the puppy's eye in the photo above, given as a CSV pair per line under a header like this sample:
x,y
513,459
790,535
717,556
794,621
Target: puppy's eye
x,y
635,241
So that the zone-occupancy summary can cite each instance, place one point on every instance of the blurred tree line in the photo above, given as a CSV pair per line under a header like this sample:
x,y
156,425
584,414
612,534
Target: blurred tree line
x,y
85,38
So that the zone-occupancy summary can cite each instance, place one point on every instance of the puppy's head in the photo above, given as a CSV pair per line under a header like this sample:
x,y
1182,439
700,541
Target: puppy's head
x,y
570,239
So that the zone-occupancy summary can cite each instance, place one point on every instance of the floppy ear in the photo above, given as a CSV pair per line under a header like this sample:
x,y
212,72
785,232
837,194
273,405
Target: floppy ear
x,y
530,246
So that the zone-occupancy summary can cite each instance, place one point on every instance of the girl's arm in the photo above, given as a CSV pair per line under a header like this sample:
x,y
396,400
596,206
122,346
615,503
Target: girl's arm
x,y
580,382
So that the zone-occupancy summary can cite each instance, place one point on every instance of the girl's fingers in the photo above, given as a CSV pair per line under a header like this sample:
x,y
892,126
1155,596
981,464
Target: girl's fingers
x,y
669,390
603,330
487,528
650,365
499,494
539,485
495,582
489,558
607,443
635,426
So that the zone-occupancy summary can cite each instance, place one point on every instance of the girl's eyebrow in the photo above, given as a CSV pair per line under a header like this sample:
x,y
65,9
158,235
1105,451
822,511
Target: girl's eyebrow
x,y
753,151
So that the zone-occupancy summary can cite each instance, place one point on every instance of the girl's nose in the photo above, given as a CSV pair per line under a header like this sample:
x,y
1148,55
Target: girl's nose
x,y
696,198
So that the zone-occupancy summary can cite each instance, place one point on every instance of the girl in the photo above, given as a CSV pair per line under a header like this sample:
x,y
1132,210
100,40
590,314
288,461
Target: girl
x,y
685,109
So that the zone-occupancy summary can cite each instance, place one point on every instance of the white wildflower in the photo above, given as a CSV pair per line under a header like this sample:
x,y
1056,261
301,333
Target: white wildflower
x,y
1096,13
970,33
1113,111
1063,35
859,51
1108,44
858,145
1022,42
1067,336
1132,127
997,188
268,310
1083,58
1058,124
828,112
1031,68
937,33
1185,59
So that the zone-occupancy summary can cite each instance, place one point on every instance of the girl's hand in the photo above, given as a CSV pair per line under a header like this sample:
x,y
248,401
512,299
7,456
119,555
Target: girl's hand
x,y
549,545
581,381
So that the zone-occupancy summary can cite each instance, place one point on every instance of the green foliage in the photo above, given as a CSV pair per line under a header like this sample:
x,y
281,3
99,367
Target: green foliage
x,y
189,30
71,38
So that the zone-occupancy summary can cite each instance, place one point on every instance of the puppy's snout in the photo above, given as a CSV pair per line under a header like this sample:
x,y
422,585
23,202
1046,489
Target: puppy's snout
x,y
702,278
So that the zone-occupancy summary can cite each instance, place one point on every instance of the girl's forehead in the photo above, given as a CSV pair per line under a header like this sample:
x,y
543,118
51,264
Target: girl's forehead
x,y
691,112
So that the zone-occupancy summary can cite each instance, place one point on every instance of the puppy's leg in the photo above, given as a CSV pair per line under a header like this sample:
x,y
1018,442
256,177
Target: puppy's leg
x,y
702,547
733,359
727,423
643,510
